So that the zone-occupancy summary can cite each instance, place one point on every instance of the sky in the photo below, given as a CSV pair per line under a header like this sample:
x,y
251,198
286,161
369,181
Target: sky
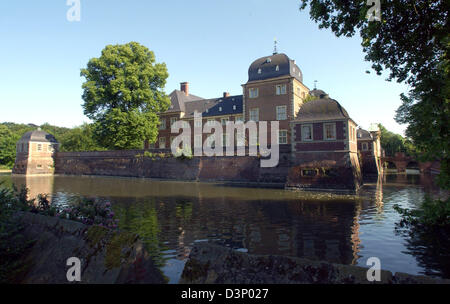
x,y
208,43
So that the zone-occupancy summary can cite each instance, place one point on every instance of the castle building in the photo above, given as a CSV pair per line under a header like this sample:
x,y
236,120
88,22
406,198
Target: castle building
x,y
324,146
34,153
369,147
274,92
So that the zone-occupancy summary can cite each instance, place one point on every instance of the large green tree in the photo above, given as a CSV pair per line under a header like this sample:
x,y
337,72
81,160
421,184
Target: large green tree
x,y
411,42
123,93
79,139
7,146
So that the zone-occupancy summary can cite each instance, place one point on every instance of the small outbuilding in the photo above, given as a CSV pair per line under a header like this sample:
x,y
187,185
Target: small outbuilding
x,y
35,153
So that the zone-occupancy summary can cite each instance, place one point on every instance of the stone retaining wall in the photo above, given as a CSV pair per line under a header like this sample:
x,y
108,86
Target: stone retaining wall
x,y
106,256
213,264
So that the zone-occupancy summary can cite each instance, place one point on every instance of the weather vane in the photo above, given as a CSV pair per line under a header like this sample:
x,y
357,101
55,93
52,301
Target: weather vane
x,y
275,46
315,84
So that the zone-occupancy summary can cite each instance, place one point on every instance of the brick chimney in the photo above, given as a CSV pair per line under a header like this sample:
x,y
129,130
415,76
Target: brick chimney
x,y
226,94
184,87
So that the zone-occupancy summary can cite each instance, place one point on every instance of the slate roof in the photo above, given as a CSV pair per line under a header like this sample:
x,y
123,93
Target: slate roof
x,y
215,106
363,134
38,135
178,99
321,109
268,66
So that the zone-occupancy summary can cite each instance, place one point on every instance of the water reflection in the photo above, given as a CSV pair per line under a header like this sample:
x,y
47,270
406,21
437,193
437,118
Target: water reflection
x,y
171,216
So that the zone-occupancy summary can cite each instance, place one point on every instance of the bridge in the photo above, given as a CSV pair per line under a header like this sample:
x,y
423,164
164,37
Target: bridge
x,y
401,162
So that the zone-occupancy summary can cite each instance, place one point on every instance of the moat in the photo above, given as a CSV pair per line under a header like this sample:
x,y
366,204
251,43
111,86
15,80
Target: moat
x,y
171,216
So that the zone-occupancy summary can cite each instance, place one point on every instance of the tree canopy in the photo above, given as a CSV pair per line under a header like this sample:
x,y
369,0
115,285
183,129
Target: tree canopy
x,y
412,43
123,93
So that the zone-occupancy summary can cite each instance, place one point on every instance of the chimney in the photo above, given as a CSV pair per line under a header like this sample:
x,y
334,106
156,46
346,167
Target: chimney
x,y
184,87
226,94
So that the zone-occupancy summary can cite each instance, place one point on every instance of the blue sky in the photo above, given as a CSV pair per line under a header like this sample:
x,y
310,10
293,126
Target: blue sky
x,y
209,43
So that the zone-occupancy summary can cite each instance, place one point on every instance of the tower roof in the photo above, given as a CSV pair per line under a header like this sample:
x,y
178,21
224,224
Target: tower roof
x,y
323,108
38,135
273,66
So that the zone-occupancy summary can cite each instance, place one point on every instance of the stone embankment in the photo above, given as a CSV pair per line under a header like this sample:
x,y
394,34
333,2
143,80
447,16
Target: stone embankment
x,y
212,264
106,256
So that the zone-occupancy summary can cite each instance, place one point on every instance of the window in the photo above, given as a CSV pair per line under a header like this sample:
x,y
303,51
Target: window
x,y
307,133
162,142
224,140
210,142
162,126
281,113
234,107
39,147
171,140
282,137
49,148
172,120
254,114
197,123
277,68
198,140
220,109
329,130
211,122
280,89
253,92
224,121
259,71
39,166
239,118
364,146
299,91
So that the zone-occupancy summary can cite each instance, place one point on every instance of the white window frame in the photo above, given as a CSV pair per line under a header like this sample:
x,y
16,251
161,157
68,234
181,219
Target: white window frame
x,y
173,120
310,126
279,117
198,123
39,147
211,122
284,136
333,125
250,114
239,118
253,92
162,126
161,141
280,89
224,121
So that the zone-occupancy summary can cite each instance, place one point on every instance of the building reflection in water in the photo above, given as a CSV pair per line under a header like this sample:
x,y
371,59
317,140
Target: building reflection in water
x,y
35,184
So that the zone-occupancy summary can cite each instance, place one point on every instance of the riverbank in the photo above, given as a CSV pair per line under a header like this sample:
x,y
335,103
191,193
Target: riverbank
x,y
213,264
106,256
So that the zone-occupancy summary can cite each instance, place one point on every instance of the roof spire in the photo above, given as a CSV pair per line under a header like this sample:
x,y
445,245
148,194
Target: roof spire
x,y
275,46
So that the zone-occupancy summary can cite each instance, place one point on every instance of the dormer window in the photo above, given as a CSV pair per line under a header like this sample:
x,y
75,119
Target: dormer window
x,y
259,71
234,107
220,109
277,68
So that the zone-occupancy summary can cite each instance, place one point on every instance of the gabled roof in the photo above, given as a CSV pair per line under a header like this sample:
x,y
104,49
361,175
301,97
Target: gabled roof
x,y
178,99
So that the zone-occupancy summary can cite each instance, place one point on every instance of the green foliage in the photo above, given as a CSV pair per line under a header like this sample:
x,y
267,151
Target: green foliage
x,y
7,146
80,139
431,214
392,143
123,92
12,242
118,130
309,98
412,43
